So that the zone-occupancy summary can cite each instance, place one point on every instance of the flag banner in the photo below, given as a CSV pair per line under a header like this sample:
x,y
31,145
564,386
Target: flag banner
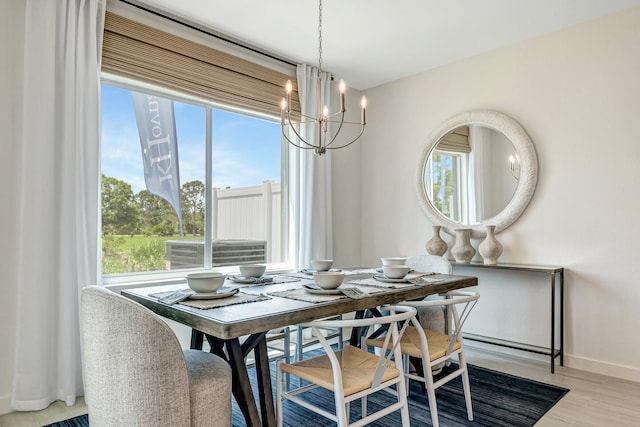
x,y
159,144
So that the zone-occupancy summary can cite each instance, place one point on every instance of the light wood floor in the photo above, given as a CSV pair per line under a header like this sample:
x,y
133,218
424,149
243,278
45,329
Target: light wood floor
x,y
594,400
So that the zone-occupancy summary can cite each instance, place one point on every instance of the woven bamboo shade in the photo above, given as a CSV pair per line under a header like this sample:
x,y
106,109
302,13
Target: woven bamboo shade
x,y
456,141
146,54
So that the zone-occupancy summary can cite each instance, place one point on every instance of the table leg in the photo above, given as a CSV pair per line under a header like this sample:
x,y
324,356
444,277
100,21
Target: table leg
x,y
264,384
241,386
197,339
235,355
356,333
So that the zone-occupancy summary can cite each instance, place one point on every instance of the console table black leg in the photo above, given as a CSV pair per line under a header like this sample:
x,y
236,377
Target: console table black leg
x,y
561,277
553,323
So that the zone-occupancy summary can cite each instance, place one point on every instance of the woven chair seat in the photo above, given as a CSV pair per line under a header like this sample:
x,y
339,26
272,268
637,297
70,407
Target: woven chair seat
x,y
357,366
410,343
428,348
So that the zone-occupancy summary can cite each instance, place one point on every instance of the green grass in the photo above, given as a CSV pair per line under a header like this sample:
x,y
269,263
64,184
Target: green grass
x,y
137,253
129,242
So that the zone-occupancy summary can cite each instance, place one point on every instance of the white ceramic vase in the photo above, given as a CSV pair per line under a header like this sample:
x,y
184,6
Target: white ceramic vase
x,y
462,251
490,248
436,246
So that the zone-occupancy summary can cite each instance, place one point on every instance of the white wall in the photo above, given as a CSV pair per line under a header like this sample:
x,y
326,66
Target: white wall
x,y
346,178
576,93
11,42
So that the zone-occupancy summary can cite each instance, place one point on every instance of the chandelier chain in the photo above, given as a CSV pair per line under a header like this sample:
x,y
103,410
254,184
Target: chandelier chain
x,y
292,129
320,37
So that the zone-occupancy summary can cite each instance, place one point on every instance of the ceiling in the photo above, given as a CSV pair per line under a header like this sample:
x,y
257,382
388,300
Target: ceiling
x,y
372,42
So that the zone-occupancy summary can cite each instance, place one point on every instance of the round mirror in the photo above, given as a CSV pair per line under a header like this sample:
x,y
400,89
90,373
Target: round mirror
x,y
477,168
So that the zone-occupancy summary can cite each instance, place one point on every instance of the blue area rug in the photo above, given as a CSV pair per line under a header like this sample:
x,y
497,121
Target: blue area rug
x,y
498,400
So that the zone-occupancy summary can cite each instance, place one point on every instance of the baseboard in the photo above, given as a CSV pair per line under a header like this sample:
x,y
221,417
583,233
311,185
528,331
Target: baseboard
x,y
5,404
506,350
571,361
628,373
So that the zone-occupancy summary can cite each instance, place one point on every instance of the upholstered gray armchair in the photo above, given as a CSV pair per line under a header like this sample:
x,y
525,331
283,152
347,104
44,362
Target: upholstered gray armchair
x,y
136,373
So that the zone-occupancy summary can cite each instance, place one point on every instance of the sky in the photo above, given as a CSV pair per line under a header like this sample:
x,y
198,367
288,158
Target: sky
x,y
246,150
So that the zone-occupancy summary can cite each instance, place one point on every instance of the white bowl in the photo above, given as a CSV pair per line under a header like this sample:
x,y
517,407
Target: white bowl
x,y
395,271
205,282
328,279
321,264
252,270
394,260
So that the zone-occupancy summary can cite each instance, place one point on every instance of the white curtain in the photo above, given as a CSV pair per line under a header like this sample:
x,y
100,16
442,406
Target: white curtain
x,y
478,142
58,165
309,179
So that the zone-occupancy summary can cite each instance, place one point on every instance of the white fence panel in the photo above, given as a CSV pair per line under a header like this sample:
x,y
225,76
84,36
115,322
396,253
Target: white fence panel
x,y
250,213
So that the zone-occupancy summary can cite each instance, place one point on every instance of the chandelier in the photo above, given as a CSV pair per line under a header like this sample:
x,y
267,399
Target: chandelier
x,y
321,122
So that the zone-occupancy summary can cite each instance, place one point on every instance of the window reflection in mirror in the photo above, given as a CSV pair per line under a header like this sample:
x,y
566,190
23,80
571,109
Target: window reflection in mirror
x,y
469,176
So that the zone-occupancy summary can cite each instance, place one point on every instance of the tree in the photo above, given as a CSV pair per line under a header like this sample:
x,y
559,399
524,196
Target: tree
x,y
120,213
158,216
192,198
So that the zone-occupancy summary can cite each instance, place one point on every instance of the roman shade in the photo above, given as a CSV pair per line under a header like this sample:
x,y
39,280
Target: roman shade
x,y
144,53
456,141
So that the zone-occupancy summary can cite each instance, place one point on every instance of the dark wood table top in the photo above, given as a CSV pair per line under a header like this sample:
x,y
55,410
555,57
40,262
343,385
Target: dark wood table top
x,y
250,318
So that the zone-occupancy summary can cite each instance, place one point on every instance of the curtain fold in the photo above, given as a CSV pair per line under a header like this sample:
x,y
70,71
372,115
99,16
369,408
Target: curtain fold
x,y
309,179
479,140
58,169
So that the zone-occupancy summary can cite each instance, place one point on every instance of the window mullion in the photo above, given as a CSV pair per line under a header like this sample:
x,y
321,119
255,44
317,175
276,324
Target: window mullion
x,y
209,225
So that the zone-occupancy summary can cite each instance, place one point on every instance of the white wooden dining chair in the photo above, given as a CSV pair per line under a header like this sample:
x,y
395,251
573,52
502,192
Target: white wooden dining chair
x,y
432,318
426,263
434,348
350,373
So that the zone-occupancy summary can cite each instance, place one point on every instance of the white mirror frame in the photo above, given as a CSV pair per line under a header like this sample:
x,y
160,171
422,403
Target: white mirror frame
x,y
528,170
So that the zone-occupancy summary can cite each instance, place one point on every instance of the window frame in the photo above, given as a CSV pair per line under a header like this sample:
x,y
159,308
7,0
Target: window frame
x,y
459,166
177,275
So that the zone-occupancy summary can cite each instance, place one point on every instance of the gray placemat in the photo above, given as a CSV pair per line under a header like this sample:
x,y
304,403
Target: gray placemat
x,y
378,284
301,295
275,279
353,272
411,279
298,275
205,304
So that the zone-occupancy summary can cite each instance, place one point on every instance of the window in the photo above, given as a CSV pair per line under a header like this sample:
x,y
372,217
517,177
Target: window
x,y
228,207
446,175
445,183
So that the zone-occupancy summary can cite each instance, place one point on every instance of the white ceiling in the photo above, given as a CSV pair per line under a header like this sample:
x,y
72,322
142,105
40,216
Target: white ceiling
x,y
371,42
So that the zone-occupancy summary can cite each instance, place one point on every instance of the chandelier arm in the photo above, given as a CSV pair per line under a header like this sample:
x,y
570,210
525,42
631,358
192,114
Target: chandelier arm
x,y
336,114
293,128
352,141
293,143
337,130
345,122
311,118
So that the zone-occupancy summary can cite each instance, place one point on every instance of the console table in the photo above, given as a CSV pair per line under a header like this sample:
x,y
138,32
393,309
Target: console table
x,y
556,276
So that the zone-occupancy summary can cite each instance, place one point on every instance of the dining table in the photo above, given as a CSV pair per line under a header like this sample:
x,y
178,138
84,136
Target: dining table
x,y
237,325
